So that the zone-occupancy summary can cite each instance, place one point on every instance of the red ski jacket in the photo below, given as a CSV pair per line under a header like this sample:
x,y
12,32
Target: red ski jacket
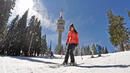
x,y
72,38
51,53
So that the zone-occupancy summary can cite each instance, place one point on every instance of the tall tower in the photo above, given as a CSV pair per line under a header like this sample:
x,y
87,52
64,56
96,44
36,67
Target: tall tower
x,y
60,29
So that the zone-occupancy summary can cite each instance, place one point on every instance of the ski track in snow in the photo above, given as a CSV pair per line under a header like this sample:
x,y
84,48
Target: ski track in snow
x,y
108,63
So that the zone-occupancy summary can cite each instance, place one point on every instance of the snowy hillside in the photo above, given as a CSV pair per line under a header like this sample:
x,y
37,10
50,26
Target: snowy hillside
x,y
109,63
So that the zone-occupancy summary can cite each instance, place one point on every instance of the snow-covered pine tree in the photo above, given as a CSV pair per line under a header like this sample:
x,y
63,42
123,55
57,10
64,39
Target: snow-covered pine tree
x,y
5,12
20,34
10,37
37,44
34,37
44,45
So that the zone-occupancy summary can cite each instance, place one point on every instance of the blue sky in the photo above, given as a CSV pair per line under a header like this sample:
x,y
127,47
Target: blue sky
x,y
89,18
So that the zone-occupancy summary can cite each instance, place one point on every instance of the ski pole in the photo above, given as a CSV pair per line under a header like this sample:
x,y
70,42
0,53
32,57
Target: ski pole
x,y
66,47
80,53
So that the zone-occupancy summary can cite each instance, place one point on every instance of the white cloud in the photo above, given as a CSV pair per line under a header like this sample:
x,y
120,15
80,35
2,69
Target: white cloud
x,y
36,8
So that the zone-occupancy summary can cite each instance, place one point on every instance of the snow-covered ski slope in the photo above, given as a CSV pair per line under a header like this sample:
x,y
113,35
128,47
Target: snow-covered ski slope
x,y
108,63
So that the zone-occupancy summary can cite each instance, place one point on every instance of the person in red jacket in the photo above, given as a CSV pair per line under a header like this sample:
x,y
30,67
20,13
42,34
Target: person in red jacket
x,y
51,55
72,42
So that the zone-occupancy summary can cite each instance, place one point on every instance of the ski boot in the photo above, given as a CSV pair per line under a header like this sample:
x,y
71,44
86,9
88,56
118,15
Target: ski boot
x,y
99,55
92,56
72,64
65,64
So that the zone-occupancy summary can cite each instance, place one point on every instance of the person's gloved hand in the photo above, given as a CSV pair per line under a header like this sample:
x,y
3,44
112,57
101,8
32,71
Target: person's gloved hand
x,y
66,44
77,46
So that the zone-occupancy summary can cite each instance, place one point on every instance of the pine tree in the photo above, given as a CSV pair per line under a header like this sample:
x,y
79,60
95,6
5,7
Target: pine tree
x,y
5,11
127,39
94,49
117,30
9,39
30,34
106,50
101,49
83,50
38,37
128,46
88,50
33,36
58,51
43,45
36,44
77,51
20,35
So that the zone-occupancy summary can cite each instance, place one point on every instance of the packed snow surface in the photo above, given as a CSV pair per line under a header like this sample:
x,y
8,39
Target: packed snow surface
x,y
108,63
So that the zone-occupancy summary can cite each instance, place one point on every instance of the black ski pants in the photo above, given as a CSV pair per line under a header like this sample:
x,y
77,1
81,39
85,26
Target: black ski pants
x,y
70,50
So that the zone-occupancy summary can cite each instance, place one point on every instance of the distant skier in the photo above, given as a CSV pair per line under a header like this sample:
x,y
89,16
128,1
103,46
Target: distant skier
x,y
93,48
72,42
28,54
98,50
51,55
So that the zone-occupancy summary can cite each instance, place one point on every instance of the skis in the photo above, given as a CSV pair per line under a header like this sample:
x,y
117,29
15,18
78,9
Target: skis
x,y
56,66
68,65
95,57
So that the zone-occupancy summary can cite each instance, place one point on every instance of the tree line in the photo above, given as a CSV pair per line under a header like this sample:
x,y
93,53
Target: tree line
x,y
87,50
21,36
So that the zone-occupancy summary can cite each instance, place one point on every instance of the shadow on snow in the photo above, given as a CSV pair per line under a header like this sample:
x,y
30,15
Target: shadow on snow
x,y
105,66
81,66
32,60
